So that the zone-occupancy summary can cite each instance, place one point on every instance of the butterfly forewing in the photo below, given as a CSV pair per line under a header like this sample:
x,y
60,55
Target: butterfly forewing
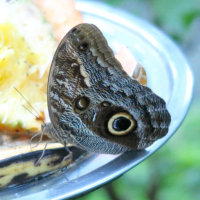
x,y
93,100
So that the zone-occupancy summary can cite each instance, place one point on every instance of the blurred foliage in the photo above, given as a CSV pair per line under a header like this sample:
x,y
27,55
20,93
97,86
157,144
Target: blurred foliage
x,y
175,17
173,172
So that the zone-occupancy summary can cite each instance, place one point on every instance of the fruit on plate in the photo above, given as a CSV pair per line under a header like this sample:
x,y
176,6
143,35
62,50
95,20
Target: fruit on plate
x,y
27,46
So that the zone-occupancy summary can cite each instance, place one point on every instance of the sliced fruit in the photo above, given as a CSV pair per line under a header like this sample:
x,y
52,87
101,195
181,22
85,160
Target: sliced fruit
x,y
26,50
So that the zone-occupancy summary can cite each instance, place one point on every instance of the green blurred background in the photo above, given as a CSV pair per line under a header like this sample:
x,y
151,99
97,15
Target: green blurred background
x,y
173,172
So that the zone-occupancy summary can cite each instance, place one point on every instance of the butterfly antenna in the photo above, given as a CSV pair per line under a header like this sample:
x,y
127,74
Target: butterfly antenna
x,y
29,111
30,106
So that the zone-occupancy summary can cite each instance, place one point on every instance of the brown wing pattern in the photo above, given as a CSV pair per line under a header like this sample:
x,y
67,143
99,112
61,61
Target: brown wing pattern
x,y
72,71
94,103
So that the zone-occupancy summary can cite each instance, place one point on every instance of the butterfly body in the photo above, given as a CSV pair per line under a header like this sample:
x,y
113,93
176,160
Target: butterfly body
x,y
94,104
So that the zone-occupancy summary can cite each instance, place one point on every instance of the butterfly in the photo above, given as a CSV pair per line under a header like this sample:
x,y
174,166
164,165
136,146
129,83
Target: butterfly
x,y
93,103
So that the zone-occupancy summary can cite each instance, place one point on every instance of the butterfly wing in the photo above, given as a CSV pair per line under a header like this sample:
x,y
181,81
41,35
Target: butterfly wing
x,y
65,80
72,72
92,99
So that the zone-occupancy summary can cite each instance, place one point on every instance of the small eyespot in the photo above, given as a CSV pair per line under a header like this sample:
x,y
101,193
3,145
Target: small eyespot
x,y
105,104
73,30
121,124
82,103
84,46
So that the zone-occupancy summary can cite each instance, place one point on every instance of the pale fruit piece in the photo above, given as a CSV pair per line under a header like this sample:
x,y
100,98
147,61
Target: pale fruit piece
x,y
19,68
62,14
131,65
27,47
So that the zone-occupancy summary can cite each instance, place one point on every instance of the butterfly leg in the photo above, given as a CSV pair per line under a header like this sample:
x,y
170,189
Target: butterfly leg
x,y
43,152
69,156
38,141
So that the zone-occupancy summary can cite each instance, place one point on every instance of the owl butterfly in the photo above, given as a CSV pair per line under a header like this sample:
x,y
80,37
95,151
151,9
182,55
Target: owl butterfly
x,y
93,103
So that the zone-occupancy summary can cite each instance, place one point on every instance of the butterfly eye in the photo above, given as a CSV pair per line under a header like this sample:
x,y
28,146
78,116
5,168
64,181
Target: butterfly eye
x,y
121,124
84,46
82,103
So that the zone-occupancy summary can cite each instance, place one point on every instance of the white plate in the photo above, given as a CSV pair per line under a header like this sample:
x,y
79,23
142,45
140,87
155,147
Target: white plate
x,y
169,76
